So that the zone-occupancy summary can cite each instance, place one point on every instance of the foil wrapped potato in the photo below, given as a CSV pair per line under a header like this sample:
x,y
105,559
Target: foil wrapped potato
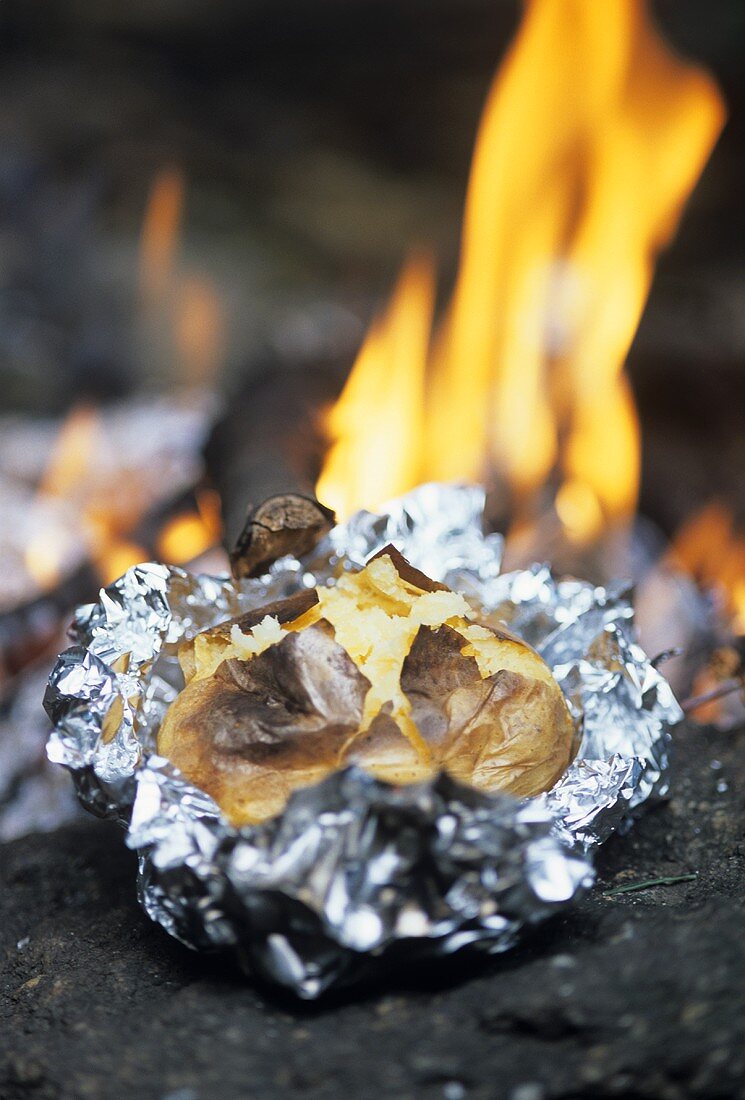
x,y
387,670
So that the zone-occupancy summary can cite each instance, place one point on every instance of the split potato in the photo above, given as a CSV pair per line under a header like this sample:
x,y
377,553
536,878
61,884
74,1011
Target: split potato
x,y
387,670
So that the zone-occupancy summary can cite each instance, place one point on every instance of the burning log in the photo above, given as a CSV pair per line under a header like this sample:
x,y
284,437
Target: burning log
x,y
269,441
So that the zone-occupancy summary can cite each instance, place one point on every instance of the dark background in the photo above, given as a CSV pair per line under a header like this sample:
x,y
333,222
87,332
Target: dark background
x,y
318,140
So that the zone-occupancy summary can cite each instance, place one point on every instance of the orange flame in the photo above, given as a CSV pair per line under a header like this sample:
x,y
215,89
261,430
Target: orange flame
x,y
376,428
592,137
115,556
198,331
182,318
67,480
711,550
103,517
45,553
190,534
72,453
160,233
43,560
185,318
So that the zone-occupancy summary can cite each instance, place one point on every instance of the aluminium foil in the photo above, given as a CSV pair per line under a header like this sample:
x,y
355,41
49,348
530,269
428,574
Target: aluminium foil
x,y
356,874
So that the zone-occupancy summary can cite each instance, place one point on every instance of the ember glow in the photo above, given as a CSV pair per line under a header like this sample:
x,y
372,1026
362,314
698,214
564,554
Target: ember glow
x,y
104,498
711,550
593,135
67,484
190,534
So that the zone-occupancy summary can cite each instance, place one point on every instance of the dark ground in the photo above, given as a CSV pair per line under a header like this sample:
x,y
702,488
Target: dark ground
x,y
638,994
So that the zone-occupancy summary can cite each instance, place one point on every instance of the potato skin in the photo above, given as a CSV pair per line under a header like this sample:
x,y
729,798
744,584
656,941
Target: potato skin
x,y
507,732
284,611
256,729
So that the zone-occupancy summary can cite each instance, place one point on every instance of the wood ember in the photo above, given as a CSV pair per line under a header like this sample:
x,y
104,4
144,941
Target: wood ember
x,y
269,441
289,523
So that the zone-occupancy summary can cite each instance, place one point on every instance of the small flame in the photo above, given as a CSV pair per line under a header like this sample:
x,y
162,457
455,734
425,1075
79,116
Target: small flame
x,y
182,319
160,233
376,427
102,520
712,551
72,453
48,549
43,561
579,511
190,534
199,330
114,557
592,137
67,483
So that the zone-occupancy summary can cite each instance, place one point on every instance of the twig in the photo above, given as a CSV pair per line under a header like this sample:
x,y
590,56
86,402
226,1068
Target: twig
x,y
670,880
726,688
668,655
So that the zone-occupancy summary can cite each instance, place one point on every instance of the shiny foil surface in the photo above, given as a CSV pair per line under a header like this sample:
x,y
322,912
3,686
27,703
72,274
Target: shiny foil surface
x,y
356,874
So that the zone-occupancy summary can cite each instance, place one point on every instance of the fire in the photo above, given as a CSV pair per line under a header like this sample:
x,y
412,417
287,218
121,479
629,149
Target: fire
x,y
47,551
198,331
67,483
182,316
113,557
81,483
43,560
190,534
711,550
160,233
102,499
72,453
377,427
592,137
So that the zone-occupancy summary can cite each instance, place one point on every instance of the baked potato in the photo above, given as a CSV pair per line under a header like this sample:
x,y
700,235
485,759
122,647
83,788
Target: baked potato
x,y
385,669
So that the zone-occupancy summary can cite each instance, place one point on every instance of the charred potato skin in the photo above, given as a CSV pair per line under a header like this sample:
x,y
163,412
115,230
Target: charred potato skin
x,y
497,732
255,730
289,523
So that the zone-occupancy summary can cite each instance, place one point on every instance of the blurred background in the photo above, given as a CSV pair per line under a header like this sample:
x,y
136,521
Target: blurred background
x,y
202,207
309,144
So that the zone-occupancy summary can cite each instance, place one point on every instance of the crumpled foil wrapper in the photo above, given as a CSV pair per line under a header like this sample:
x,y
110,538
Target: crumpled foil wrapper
x,y
356,873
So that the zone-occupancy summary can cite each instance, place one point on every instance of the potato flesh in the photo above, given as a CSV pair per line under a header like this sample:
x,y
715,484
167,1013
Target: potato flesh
x,y
493,654
209,652
376,615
